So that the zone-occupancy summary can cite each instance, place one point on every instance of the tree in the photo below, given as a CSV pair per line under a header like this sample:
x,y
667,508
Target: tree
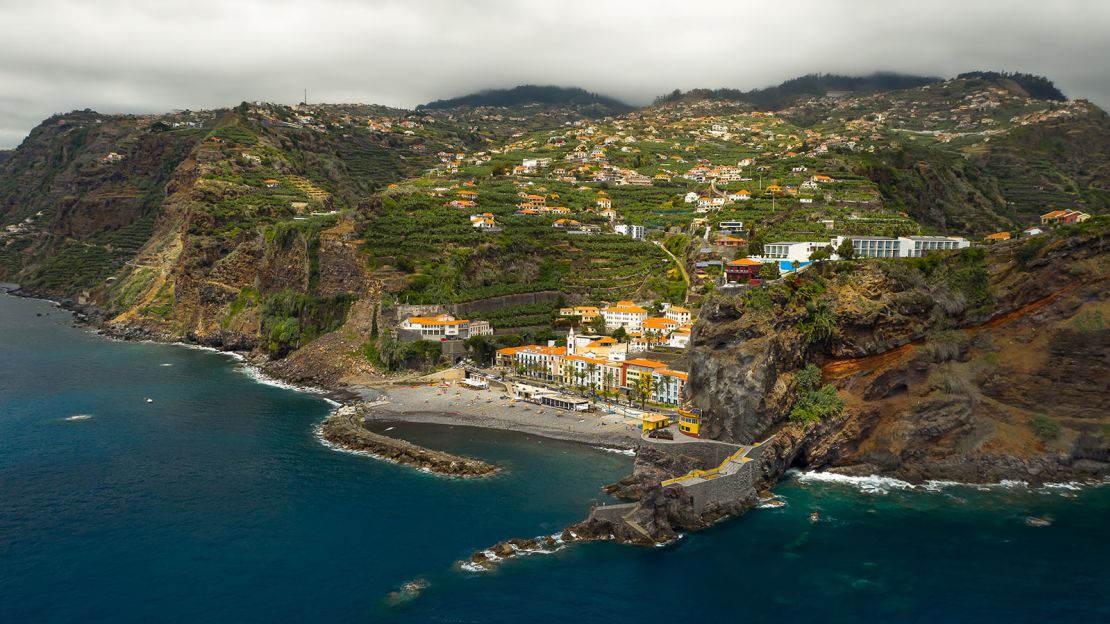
x,y
769,271
482,348
607,381
845,250
591,374
645,387
821,254
597,325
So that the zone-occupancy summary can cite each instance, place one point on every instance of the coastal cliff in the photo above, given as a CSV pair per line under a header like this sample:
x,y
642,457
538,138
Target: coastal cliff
x,y
975,366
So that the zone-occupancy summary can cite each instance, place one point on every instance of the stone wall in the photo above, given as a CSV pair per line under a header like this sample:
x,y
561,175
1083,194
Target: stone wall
x,y
466,309
612,513
708,453
724,489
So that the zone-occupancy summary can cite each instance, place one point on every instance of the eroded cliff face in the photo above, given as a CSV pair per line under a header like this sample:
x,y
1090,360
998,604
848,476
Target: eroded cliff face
x,y
980,367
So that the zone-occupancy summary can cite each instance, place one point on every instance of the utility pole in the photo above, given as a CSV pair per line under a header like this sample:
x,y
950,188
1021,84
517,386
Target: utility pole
x,y
305,100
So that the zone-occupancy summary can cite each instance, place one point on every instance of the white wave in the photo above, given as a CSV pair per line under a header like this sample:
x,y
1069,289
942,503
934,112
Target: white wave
x,y
189,345
78,417
258,376
165,364
875,484
872,484
1072,485
618,451
773,502
318,433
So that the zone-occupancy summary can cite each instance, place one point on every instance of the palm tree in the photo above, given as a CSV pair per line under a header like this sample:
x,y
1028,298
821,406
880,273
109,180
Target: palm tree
x,y
645,387
668,384
607,382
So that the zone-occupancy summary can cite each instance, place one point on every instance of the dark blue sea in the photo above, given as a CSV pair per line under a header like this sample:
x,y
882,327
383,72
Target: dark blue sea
x,y
216,503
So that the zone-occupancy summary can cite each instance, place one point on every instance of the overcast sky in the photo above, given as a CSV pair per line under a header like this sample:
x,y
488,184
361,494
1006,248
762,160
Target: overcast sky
x,y
159,55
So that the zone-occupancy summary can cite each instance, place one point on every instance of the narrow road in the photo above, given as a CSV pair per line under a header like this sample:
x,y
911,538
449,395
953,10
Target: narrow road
x,y
681,266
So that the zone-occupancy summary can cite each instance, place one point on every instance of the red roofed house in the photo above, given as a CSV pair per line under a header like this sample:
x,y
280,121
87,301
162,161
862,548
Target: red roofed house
x,y
742,270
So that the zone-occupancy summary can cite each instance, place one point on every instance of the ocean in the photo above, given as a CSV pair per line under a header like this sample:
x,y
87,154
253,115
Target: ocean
x,y
216,502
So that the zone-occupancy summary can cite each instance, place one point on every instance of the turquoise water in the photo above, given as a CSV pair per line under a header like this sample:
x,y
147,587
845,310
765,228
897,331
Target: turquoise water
x,y
216,503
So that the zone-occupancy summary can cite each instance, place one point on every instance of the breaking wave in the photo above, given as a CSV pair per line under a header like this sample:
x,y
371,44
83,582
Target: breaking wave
x,y
618,451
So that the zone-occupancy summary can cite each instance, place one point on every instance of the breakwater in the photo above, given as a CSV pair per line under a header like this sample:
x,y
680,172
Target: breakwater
x,y
344,428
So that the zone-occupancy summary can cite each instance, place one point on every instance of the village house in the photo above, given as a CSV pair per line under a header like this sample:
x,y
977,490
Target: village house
x,y
445,327
604,203
566,224
638,342
705,204
586,313
668,387
534,361
659,325
680,338
742,270
997,237
624,314
633,369
730,241
1064,216
632,231
678,314
690,197
483,221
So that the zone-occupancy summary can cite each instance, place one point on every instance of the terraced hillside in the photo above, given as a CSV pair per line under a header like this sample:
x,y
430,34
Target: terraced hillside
x,y
268,227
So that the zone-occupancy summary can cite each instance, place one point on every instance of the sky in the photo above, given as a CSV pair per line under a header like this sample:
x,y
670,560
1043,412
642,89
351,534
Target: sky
x,y
145,56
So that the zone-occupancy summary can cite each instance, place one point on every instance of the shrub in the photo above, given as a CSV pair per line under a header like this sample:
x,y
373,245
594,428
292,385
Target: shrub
x,y
819,323
944,346
813,402
1045,427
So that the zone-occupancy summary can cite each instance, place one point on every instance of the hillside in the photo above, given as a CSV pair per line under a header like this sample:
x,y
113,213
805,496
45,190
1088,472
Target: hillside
x,y
976,366
810,85
269,227
526,95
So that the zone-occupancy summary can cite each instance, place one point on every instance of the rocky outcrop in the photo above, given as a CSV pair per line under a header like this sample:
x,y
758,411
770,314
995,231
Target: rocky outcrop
x,y
983,368
345,429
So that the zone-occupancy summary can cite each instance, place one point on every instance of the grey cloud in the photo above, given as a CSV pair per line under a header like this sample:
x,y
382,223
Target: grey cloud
x,y
144,56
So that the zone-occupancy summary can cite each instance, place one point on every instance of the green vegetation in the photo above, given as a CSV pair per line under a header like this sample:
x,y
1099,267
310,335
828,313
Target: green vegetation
x,y
291,320
389,353
1045,427
813,402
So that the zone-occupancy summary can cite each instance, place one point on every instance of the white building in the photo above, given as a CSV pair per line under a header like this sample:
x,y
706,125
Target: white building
x,y
624,314
691,197
668,386
445,327
677,313
901,247
632,231
790,251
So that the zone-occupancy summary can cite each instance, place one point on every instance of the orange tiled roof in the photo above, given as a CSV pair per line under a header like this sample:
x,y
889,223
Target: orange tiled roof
x,y
645,363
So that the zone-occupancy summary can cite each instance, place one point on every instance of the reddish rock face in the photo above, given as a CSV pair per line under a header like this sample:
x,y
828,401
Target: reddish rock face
x,y
936,383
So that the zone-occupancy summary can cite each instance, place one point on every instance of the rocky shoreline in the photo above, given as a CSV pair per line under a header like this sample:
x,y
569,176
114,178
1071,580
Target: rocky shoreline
x,y
344,428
